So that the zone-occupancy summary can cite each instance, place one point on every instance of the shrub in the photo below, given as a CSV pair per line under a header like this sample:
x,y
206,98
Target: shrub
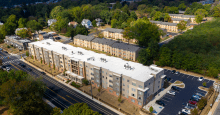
x,y
202,103
194,111
75,85
99,89
49,64
119,99
32,57
151,109
41,60
210,90
204,84
27,53
53,66
84,81
8,46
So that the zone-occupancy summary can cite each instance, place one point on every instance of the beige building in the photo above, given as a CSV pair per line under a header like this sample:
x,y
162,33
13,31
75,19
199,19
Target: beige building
x,y
133,81
170,27
181,16
17,42
83,41
177,20
102,44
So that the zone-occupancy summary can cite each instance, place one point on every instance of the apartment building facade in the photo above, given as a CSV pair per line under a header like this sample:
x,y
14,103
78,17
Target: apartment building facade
x,y
177,20
132,81
181,16
83,41
170,27
115,48
17,42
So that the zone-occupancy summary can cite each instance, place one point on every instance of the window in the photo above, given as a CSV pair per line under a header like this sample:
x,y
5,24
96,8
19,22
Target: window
x,y
91,68
132,100
97,80
117,83
81,65
132,94
139,92
149,83
158,81
123,84
103,81
134,84
139,103
117,94
123,94
103,76
110,86
133,89
140,86
110,75
158,86
92,74
102,71
60,57
123,79
97,85
116,89
123,89
127,80
139,98
106,73
128,86
61,62
116,78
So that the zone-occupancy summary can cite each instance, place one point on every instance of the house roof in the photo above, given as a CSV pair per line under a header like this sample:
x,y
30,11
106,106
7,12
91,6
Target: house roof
x,y
179,19
181,12
125,46
85,20
188,16
84,37
168,23
176,15
114,30
155,22
73,23
104,41
98,20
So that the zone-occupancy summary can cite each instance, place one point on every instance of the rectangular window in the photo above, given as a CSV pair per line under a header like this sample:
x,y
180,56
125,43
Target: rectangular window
x,y
158,81
110,86
110,75
149,83
123,84
117,94
127,80
132,100
91,68
116,78
139,103
140,86
117,83
123,94
97,80
139,92
123,79
134,84
123,89
102,71
133,89
128,86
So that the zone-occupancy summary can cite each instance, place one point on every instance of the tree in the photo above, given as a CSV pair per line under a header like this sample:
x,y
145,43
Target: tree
x,y
182,25
34,25
79,108
213,72
165,56
151,109
200,14
157,16
94,23
202,103
27,53
117,5
167,17
194,111
84,81
22,23
24,33
56,111
77,14
81,30
182,6
204,84
216,11
9,27
199,18
42,22
55,11
133,15
106,15
125,9
113,23
61,24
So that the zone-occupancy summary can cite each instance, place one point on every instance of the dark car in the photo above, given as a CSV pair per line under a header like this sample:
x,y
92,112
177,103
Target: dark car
x,y
3,67
159,102
19,63
167,78
175,88
183,113
29,69
43,73
22,65
5,51
0,49
173,71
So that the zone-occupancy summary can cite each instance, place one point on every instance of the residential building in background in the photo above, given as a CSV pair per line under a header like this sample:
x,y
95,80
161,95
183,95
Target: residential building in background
x,y
17,42
115,48
51,21
98,22
132,81
181,16
87,23
177,20
170,27
73,23
18,29
1,23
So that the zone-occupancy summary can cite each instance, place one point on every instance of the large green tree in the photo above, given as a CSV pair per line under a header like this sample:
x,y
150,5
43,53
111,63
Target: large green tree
x,y
182,25
22,23
106,15
55,11
9,27
34,25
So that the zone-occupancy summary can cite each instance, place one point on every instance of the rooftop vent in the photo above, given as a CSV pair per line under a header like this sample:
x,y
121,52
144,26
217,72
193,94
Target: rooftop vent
x,y
103,60
64,48
80,53
72,52
128,67
48,43
91,59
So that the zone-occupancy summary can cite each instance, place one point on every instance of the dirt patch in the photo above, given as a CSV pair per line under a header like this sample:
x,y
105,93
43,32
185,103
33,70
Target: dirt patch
x,y
11,49
43,66
112,100
4,110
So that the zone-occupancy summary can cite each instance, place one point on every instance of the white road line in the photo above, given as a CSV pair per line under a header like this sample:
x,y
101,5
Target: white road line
x,y
171,80
208,81
165,100
200,91
56,100
169,95
188,77
193,77
164,113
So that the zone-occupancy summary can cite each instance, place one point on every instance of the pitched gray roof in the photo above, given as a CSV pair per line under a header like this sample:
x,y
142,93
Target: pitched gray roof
x,y
175,14
125,46
104,41
188,16
168,23
156,22
179,19
85,20
114,30
84,37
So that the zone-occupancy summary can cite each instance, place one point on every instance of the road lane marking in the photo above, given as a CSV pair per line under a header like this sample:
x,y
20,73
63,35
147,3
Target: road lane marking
x,y
72,98
15,66
56,100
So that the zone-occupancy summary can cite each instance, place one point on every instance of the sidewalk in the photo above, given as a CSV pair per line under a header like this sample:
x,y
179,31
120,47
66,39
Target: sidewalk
x,y
214,107
73,88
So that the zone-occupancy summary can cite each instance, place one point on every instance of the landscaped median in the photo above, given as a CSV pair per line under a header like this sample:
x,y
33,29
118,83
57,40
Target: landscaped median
x,y
179,84
11,49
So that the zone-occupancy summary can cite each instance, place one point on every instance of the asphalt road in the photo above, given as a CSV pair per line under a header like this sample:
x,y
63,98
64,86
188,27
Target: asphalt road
x,y
174,104
57,93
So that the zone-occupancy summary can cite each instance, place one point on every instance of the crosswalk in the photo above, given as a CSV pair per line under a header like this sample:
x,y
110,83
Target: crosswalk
x,y
11,61
4,57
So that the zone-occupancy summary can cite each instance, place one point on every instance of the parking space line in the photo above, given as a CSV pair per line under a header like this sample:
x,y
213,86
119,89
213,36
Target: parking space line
x,y
188,76
208,81
164,113
169,95
171,80
193,77
200,91
165,100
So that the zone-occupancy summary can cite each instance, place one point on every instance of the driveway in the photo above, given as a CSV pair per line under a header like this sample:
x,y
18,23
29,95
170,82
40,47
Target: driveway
x,y
174,104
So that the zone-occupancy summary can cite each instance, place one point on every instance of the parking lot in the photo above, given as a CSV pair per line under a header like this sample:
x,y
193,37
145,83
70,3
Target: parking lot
x,y
174,104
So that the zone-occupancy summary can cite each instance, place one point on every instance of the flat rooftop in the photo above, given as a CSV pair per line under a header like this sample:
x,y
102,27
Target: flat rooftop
x,y
138,71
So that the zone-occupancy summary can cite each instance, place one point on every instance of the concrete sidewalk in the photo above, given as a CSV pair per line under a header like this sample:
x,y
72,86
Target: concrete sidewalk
x,y
215,105
73,88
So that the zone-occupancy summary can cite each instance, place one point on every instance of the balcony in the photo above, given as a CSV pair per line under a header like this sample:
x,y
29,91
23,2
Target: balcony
x,y
110,81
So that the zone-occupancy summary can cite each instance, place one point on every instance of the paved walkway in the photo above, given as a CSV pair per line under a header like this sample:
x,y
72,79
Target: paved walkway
x,y
73,88
215,107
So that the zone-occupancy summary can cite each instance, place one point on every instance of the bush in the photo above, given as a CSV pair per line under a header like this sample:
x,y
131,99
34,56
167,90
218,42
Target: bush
x,y
75,85
202,103
210,90
119,99
8,46
27,53
151,109
99,89
84,81
204,84
32,57
194,111
41,60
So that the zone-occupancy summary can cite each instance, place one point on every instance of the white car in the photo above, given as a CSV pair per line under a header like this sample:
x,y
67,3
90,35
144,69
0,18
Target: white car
x,y
201,79
186,111
171,92
8,68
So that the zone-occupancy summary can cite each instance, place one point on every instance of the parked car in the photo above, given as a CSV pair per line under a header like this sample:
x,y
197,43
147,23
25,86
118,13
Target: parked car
x,y
19,63
175,88
3,67
201,79
177,72
167,78
183,113
193,102
171,92
186,111
8,68
194,99
29,69
159,102
0,49
173,71
196,96
199,94
188,107
22,65
43,73
5,51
